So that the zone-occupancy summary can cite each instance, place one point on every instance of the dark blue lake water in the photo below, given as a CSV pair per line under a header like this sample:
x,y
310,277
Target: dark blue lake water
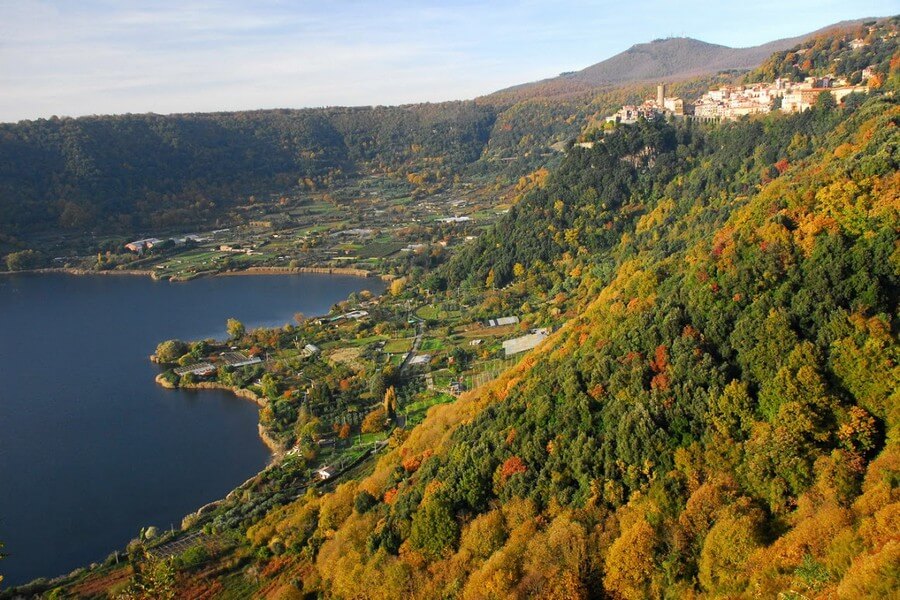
x,y
91,449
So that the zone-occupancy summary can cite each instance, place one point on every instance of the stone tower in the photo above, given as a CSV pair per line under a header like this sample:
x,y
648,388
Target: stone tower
x,y
660,94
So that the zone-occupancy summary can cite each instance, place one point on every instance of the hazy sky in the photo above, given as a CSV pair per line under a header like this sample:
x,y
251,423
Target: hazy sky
x,y
77,57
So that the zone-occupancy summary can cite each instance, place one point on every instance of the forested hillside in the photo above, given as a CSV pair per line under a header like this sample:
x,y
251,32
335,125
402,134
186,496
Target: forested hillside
x,y
132,171
717,417
720,417
864,47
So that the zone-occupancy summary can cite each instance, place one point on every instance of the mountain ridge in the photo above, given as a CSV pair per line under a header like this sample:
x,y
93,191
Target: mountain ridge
x,y
667,59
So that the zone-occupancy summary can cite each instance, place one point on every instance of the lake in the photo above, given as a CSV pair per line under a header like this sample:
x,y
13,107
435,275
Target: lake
x,y
91,449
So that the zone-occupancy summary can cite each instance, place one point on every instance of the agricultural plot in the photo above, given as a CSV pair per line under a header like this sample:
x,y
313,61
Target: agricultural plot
x,y
398,346
379,249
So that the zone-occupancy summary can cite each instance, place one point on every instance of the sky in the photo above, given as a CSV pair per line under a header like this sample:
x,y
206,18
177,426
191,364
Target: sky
x,y
82,57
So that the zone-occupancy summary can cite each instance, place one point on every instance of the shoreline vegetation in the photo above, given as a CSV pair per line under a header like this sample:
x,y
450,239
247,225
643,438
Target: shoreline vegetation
x,y
231,273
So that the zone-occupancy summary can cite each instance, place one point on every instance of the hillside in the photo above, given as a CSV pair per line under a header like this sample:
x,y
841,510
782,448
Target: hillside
x,y
135,173
715,415
701,426
664,60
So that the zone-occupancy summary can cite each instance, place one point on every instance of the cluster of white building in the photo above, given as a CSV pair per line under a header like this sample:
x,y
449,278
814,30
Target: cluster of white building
x,y
732,102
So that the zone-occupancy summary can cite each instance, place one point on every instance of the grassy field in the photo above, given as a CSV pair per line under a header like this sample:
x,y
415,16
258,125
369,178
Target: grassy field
x,y
432,344
398,346
416,411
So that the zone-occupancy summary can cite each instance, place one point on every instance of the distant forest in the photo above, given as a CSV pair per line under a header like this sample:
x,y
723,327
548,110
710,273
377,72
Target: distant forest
x,y
137,172
131,171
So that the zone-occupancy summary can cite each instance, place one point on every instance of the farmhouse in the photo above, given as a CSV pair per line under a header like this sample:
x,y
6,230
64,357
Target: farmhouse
x,y
355,315
326,473
420,360
141,245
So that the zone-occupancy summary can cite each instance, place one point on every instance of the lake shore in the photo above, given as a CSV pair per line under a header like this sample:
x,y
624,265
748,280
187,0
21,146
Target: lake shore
x,y
299,270
261,270
74,271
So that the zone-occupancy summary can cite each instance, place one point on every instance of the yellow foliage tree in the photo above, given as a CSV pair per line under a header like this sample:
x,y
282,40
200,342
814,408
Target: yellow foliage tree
x,y
489,280
397,286
725,551
485,534
629,563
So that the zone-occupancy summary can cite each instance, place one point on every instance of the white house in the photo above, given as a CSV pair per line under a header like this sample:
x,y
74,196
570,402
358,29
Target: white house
x,y
326,473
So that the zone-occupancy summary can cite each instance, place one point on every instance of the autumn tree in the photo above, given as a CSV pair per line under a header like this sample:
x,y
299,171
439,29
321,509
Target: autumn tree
x,y
374,421
235,329
630,562
397,286
170,351
485,534
389,403
725,551
490,280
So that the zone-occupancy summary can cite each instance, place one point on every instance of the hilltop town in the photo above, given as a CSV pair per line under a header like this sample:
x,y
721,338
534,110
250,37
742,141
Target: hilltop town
x,y
731,102
798,78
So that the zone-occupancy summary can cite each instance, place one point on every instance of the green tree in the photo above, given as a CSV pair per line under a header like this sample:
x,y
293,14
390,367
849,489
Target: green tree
x,y
269,385
461,359
25,259
154,578
434,527
378,384
364,502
